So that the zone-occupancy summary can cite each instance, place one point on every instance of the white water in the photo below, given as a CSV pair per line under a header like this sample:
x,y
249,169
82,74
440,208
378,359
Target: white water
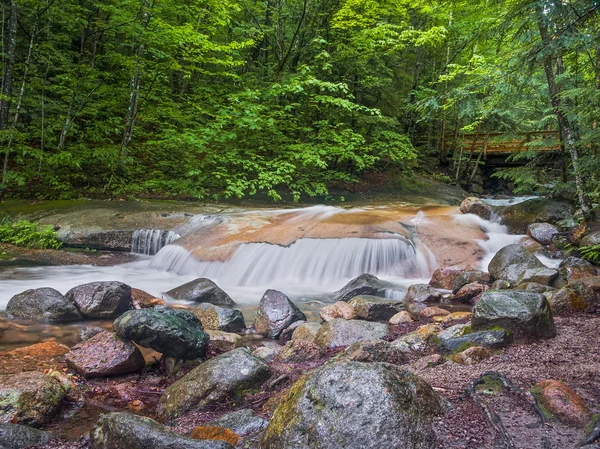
x,y
151,241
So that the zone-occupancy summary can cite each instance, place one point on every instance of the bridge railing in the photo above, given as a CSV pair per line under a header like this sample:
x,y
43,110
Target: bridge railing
x,y
504,143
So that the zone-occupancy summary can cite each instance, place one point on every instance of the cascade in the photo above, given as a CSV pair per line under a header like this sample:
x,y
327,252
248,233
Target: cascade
x,y
150,241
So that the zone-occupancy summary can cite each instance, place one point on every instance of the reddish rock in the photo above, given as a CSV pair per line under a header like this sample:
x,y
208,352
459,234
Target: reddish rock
x,y
468,293
444,277
401,317
215,433
472,355
105,355
430,312
429,361
473,205
338,309
38,357
563,402
144,300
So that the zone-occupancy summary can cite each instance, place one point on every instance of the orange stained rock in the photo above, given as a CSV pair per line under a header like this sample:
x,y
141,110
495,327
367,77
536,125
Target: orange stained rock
x,y
38,357
563,402
215,433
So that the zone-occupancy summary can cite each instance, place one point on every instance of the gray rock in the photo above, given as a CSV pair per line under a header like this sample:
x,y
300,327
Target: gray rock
x,y
523,313
534,287
85,333
275,313
173,332
422,293
454,331
511,262
365,284
288,333
488,338
542,233
372,351
591,239
306,331
573,269
373,308
538,275
473,205
105,355
201,290
267,352
242,422
15,436
219,318
122,430
109,240
576,296
101,299
229,375
339,332
29,398
469,277
501,284
518,216
42,304
355,405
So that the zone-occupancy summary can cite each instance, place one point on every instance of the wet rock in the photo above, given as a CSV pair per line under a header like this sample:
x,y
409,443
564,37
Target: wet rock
x,y
298,351
534,287
225,341
357,401
144,300
473,205
454,316
468,277
346,332
275,313
15,436
523,313
488,338
288,332
215,433
42,304
429,361
573,269
576,296
372,308
101,299
229,375
30,398
243,422
110,240
372,351
417,340
562,402
468,294
85,333
430,312
121,430
268,352
365,284
105,355
538,275
338,309
38,357
542,233
518,216
218,318
472,355
591,239
201,290
422,293
444,278
401,317
306,332
511,262
172,332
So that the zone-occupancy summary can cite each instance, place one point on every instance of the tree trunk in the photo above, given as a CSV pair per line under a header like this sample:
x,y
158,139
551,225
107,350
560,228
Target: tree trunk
x,y
9,62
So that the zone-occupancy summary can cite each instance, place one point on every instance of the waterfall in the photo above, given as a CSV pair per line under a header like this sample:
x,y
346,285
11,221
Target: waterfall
x,y
150,241
308,260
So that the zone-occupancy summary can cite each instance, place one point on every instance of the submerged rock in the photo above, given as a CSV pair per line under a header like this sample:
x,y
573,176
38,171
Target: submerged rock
x,y
373,308
523,313
42,304
473,205
346,332
173,332
422,293
218,318
201,290
365,284
105,355
120,430
275,313
101,299
511,262
15,436
229,375
355,405
30,398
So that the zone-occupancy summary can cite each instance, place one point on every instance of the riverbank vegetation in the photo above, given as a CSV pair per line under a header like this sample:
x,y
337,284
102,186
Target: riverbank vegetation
x,y
289,97
20,232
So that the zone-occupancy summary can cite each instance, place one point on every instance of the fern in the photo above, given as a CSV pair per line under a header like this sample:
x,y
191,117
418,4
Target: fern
x,y
28,234
590,253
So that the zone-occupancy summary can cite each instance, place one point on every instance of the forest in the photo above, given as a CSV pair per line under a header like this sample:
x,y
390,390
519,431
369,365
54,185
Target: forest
x,y
289,98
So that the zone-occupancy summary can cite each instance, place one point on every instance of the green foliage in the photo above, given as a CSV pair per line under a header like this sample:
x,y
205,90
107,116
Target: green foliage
x,y
28,234
591,253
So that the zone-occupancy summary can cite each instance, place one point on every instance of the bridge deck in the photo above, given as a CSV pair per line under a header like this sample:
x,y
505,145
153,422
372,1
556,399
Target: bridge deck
x,y
494,143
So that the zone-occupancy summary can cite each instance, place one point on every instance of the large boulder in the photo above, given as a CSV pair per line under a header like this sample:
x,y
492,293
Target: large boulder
x,y
42,304
340,332
30,398
120,430
487,338
229,375
105,355
473,205
543,276
173,332
518,216
218,318
576,296
275,313
365,284
422,293
373,308
201,290
543,233
524,313
107,299
15,436
355,405
511,262
560,400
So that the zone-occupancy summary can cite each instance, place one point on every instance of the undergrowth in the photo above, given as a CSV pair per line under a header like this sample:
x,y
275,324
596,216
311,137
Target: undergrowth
x,y
28,234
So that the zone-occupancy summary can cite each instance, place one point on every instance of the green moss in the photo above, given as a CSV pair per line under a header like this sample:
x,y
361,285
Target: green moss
x,y
464,346
593,422
537,393
286,414
467,330
490,384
